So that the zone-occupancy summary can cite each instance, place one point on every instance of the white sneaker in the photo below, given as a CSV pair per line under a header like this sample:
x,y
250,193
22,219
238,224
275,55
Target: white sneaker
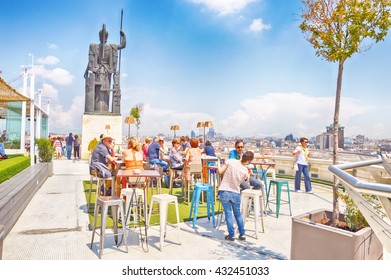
x,y
310,192
299,191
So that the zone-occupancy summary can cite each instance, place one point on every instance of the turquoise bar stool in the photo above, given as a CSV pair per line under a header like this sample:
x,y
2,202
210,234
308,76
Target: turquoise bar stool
x,y
195,202
262,175
279,184
214,179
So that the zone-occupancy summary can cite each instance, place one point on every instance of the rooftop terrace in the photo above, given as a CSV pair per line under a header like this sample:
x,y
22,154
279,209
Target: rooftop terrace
x,y
54,226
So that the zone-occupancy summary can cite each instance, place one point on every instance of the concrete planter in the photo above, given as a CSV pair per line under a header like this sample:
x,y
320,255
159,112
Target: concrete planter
x,y
50,168
314,241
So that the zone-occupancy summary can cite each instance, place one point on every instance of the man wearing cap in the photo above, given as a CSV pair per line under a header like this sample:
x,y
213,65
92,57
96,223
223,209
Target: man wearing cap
x,y
154,153
103,153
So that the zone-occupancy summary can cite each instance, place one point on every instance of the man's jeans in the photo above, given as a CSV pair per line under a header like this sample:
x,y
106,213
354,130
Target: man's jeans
x,y
231,202
69,151
307,181
254,182
160,162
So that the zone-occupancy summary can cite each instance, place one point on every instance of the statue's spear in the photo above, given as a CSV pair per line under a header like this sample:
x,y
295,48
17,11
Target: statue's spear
x,y
119,62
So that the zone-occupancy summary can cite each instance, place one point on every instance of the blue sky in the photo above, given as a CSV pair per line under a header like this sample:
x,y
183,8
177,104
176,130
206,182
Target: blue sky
x,y
243,64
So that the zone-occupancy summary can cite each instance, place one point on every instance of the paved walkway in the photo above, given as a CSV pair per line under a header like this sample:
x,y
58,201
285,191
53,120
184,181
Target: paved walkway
x,y
54,226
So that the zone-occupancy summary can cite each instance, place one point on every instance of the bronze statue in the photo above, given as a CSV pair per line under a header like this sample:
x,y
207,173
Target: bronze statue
x,y
101,70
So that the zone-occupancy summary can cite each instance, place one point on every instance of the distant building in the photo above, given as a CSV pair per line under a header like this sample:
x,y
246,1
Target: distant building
x,y
386,147
323,141
341,137
211,134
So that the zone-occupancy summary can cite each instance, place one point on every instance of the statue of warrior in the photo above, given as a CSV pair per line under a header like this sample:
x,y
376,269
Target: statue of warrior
x,y
100,71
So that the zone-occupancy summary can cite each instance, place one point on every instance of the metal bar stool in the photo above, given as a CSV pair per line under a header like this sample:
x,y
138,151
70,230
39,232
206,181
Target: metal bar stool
x,y
279,184
195,201
99,181
104,202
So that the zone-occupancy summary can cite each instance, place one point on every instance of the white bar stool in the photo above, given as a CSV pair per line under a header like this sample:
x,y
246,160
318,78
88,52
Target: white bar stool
x,y
139,196
163,200
248,198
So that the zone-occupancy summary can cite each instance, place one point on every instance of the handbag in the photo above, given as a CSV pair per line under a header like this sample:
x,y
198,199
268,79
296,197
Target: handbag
x,y
295,166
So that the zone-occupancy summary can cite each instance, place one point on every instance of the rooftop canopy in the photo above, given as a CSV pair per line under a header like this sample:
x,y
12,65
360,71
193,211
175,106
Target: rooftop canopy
x,y
9,94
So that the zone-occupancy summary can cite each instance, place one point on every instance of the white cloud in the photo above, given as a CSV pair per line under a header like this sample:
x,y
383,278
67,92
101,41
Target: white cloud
x,y
57,75
278,114
69,120
224,7
48,60
271,114
257,26
52,46
49,91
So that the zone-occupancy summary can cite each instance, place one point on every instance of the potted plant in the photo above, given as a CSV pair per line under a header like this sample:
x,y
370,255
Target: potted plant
x,y
45,152
313,237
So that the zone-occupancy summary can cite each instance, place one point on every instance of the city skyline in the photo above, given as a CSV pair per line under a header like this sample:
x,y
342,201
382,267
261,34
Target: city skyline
x,y
243,64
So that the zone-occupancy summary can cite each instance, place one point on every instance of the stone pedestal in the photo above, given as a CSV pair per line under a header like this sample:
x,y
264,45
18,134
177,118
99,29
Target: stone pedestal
x,y
94,126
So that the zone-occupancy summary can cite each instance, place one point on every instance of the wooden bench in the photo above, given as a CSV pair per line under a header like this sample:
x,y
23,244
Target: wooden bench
x,y
16,193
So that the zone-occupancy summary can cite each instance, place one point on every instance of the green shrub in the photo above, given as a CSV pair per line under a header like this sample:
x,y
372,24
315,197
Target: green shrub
x,y
12,166
354,219
92,145
45,149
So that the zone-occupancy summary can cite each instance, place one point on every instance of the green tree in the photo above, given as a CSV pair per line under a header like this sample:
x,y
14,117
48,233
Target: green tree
x,y
136,112
337,29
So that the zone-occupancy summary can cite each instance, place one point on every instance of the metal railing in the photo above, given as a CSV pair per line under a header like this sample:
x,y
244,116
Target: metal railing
x,y
355,186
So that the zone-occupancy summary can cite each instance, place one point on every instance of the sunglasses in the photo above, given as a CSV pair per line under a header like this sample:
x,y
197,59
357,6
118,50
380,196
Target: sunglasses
x,y
239,147
305,141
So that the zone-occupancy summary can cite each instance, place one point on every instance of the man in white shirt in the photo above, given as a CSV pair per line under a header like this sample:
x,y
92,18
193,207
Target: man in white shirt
x,y
235,172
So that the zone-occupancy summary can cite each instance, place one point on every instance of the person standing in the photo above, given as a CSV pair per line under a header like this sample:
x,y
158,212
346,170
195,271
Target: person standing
x,y
301,153
76,147
58,148
235,172
69,141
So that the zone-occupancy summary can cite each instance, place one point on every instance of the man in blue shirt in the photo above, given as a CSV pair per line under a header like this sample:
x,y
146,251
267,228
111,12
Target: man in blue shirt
x,y
237,154
154,153
70,140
